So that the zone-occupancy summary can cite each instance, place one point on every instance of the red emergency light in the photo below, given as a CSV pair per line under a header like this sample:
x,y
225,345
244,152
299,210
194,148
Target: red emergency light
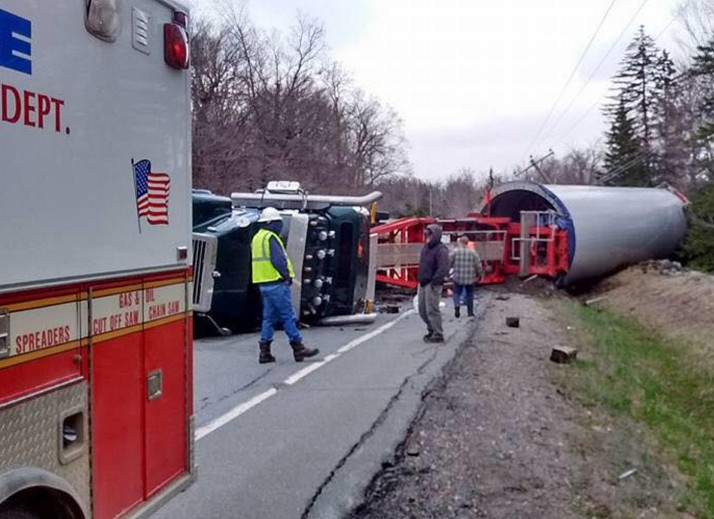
x,y
176,49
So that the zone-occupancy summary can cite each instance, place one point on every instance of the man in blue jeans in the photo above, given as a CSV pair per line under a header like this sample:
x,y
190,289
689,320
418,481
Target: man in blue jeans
x,y
273,273
467,270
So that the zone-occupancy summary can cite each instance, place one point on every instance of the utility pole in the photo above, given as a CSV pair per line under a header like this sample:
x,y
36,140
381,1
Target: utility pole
x,y
534,164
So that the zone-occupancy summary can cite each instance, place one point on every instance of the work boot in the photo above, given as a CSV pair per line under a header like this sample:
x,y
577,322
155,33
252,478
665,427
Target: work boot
x,y
428,336
435,338
265,355
300,352
457,312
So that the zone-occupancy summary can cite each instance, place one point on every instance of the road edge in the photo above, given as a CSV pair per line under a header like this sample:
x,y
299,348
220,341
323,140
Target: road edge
x,y
345,488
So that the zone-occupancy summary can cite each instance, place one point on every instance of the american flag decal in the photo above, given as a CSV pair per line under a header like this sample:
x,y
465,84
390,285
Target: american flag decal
x,y
152,193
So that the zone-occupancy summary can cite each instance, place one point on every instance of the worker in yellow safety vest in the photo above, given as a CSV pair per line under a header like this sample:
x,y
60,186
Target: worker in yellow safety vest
x,y
273,273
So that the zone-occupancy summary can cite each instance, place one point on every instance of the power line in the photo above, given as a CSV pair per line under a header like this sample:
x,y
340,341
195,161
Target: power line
x,y
572,75
622,168
666,27
597,68
677,15
594,105
534,163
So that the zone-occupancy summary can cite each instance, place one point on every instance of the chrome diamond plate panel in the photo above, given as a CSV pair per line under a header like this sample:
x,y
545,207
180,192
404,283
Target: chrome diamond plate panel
x,y
30,437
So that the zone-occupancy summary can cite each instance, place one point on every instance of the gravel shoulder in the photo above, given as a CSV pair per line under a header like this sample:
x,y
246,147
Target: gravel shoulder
x,y
498,437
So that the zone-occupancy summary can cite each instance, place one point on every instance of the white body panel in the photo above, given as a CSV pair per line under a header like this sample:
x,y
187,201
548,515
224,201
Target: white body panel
x,y
616,227
67,196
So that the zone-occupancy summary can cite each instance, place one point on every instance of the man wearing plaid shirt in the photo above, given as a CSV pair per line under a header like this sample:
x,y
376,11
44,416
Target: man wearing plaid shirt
x,y
467,269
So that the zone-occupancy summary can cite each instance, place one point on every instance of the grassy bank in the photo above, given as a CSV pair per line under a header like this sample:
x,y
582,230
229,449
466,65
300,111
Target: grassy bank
x,y
631,371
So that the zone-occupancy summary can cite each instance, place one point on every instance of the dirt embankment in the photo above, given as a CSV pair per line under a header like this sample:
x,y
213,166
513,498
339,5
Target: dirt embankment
x,y
498,439
680,305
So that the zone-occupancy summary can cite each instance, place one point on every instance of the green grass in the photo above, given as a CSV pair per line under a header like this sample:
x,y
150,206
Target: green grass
x,y
634,372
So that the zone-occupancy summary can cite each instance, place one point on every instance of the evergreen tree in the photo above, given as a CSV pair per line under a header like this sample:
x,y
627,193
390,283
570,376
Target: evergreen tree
x,y
671,125
635,90
701,77
624,160
699,248
703,68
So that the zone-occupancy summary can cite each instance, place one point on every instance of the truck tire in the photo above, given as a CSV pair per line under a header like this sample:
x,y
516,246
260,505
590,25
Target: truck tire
x,y
17,513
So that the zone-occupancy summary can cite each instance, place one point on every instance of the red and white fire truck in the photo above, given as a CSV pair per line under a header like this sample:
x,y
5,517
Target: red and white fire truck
x,y
95,231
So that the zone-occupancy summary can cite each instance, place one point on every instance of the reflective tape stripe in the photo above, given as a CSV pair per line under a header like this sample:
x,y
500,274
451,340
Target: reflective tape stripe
x,y
38,329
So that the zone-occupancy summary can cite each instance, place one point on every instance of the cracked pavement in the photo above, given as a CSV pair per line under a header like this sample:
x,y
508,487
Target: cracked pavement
x,y
310,450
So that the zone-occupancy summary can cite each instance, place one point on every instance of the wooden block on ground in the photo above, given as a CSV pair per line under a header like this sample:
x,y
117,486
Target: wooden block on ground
x,y
563,354
513,322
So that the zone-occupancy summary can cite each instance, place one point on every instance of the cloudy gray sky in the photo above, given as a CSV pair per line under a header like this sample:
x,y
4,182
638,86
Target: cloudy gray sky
x,y
474,80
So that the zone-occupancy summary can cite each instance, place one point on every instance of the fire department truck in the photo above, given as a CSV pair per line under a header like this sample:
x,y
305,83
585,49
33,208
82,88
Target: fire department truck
x,y
95,323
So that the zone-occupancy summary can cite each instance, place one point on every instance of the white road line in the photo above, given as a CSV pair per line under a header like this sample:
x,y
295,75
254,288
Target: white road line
x,y
245,406
344,349
305,371
234,413
371,335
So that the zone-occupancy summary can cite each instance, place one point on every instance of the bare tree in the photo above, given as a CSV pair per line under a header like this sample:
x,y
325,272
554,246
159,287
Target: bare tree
x,y
462,193
697,18
577,167
269,106
378,146
216,114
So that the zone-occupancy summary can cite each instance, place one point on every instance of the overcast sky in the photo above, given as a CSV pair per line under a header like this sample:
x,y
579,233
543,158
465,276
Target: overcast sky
x,y
474,80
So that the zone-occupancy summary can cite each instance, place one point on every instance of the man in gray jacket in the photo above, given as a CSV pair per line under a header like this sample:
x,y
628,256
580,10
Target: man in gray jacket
x,y
433,269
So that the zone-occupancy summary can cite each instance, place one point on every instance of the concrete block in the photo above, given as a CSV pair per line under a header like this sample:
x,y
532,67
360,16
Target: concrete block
x,y
513,322
563,354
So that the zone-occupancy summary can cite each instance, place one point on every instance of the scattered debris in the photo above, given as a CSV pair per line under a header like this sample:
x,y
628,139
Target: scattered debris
x,y
513,322
502,297
529,279
496,434
627,474
664,267
563,354
390,309
594,300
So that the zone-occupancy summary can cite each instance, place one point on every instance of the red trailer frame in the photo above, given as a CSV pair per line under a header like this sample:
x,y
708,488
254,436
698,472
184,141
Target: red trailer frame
x,y
534,246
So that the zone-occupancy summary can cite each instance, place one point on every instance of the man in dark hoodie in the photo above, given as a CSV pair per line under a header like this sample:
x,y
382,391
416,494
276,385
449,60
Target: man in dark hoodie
x,y
433,269
273,273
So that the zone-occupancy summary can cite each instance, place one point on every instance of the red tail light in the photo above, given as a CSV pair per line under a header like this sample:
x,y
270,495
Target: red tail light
x,y
175,46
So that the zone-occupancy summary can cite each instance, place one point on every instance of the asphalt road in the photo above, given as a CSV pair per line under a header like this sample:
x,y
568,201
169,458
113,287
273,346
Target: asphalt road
x,y
302,440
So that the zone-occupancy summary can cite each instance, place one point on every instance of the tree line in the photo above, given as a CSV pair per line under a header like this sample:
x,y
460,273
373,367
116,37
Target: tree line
x,y
270,106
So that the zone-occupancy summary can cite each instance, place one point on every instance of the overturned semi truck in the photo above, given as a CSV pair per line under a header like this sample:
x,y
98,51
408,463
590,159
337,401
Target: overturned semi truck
x,y
326,237
570,234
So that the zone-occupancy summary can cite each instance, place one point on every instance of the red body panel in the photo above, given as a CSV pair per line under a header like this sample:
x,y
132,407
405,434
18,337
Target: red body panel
x,y
165,427
118,422
138,446
30,377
